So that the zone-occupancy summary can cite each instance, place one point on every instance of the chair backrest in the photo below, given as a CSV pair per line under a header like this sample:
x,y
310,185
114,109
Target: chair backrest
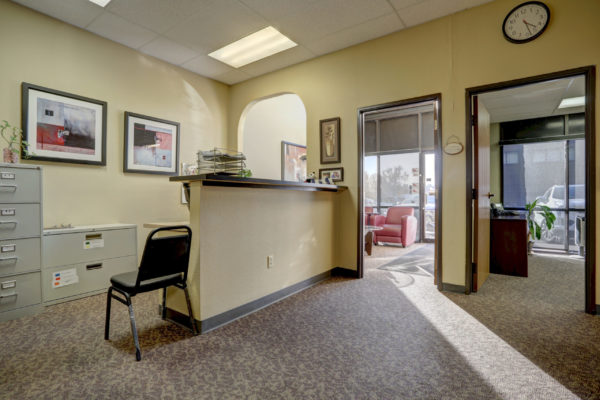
x,y
165,255
395,214
368,210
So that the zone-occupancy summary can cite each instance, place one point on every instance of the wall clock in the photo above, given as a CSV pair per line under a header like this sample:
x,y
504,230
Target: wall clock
x,y
526,22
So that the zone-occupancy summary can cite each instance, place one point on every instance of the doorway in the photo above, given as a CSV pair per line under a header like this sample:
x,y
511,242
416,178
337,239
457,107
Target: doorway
x,y
546,155
400,182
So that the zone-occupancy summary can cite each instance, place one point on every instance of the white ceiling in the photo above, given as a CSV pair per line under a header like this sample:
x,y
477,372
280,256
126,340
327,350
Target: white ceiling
x,y
533,101
183,32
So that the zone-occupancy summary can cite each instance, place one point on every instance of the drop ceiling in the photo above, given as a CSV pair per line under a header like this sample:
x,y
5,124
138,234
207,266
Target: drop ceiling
x,y
533,101
184,32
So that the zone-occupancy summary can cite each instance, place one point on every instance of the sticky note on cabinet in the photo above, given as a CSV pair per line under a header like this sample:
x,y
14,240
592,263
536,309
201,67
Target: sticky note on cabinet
x,y
64,278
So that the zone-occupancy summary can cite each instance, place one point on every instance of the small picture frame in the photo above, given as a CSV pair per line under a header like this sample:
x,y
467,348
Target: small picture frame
x,y
334,174
151,145
63,127
330,140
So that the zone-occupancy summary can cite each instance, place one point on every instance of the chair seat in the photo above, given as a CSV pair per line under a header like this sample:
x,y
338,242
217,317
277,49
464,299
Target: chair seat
x,y
126,282
390,230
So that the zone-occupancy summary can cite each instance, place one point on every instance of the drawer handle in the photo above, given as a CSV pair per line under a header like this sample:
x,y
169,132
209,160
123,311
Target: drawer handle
x,y
15,258
8,222
93,266
5,296
13,187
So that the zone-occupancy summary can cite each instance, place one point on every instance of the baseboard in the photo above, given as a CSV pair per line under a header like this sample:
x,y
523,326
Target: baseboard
x,y
229,316
449,287
344,272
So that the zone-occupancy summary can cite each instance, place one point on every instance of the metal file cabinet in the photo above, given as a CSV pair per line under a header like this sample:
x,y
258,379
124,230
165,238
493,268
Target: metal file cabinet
x,y
79,261
20,240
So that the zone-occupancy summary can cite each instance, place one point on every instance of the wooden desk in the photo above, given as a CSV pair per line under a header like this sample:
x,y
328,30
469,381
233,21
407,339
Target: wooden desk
x,y
508,245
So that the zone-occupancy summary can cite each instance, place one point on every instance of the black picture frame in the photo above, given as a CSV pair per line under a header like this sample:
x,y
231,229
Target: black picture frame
x,y
337,172
147,151
330,140
62,127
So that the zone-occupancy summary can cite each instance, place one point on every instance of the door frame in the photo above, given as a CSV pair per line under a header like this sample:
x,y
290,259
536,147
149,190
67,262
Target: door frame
x,y
589,73
437,140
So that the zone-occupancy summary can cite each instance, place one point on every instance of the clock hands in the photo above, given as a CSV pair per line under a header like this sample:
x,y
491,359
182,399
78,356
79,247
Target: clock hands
x,y
527,24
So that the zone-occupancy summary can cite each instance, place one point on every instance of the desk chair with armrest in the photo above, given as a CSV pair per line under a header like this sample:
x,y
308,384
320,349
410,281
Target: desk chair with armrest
x,y
164,263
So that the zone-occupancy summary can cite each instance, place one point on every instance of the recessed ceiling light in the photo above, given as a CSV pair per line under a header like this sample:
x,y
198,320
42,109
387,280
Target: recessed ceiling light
x,y
101,3
572,102
254,47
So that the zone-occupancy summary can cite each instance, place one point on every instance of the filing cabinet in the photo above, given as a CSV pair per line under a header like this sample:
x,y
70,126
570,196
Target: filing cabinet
x,y
20,240
79,261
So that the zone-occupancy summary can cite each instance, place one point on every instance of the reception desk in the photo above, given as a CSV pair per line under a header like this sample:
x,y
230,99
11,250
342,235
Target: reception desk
x,y
238,224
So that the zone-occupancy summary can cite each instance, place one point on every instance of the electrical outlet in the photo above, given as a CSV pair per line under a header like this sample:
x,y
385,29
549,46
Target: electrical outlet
x,y
270,262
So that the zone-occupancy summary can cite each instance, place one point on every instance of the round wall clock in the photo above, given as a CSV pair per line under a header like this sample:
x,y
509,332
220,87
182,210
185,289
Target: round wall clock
x,y
526,22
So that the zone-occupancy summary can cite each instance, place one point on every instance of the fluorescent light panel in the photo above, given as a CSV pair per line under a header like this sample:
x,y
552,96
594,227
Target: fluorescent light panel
x,y
101,3
254,47
572,102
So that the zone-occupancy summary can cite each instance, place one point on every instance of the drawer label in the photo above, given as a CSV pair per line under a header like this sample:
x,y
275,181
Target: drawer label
x,y
5,212
8,248
8,175
64,278
93,244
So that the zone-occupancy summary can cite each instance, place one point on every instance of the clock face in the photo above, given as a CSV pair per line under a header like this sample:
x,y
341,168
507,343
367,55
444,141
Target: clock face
x,y
526,22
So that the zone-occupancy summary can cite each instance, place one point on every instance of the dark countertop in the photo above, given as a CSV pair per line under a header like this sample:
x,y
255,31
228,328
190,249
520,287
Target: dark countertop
x,y
234,181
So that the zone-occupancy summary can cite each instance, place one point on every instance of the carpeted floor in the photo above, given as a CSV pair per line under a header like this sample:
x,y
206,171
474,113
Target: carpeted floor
x,y
388,336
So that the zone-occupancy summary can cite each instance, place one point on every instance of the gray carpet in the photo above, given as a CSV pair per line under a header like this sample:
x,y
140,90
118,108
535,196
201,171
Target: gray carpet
x,y
383,337
419,261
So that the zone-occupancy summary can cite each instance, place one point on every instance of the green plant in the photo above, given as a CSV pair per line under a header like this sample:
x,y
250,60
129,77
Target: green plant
x,y
245,173
545,216
12,137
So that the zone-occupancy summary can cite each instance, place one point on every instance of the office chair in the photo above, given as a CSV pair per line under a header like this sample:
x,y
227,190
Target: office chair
x,y
164,263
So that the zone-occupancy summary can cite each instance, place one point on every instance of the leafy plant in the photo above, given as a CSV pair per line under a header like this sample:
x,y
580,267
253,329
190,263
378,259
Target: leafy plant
x,y
547,218
12,137
245,173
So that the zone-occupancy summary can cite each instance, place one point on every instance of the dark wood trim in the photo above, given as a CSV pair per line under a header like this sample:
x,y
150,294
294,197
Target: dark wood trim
x,y
25,87
256,183
449,287
589,72
469,194
343,272
437,97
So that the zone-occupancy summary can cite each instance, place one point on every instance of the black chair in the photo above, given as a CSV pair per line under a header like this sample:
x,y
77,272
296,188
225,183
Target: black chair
x,y
164,263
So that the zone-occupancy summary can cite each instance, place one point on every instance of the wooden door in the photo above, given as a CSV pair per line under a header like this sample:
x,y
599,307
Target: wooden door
x,y
481,204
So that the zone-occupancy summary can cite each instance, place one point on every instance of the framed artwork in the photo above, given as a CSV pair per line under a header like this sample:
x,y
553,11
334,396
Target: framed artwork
x,y
63,127
330,140
151,145
334,174
293,162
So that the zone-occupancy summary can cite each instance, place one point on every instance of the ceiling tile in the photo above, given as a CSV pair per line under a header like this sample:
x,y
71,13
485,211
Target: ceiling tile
x,y
429,10
168,50
120,30
75,12
273,9
206,66
329,16
156,15
277,61
357,34
232,77
221,23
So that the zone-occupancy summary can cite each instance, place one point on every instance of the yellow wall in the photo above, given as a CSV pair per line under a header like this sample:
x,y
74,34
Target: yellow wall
x,y
43,51
447,55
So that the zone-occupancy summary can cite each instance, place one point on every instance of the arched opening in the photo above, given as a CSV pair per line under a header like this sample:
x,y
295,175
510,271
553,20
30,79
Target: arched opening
x,y
272,135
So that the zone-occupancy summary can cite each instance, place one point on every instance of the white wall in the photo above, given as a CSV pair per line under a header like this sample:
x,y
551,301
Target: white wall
x,y
265,124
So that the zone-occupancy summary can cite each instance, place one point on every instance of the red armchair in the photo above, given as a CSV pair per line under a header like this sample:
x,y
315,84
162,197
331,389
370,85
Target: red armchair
x,y
399,226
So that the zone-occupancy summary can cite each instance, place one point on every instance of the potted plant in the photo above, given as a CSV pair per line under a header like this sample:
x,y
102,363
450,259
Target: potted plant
x,y
534,214
12,137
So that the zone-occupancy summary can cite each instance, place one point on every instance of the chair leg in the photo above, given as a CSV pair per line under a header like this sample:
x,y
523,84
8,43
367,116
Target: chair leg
x,y
107,322
138,353
189,305
164,306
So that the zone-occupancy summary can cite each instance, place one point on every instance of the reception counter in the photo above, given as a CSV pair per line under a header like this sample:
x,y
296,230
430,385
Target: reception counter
x,y
238,225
